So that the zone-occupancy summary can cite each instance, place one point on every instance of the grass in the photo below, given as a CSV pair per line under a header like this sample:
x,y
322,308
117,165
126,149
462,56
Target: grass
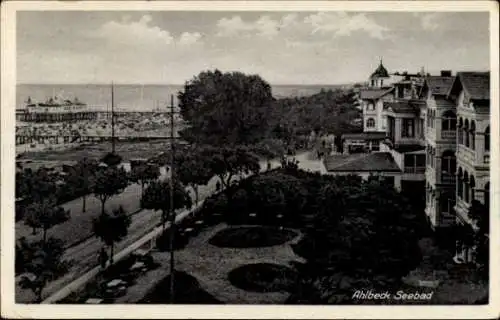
x,y
251,237
263,277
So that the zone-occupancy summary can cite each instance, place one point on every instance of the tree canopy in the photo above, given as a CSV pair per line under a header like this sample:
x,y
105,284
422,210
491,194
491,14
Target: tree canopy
x,y
45,215
111,228
109,181
157,197
225,108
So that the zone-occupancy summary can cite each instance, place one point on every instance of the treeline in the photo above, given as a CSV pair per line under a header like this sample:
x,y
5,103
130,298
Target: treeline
x,y
234,108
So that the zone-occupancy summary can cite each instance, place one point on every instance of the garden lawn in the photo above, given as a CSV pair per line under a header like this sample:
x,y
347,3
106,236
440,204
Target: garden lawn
x,y
211,265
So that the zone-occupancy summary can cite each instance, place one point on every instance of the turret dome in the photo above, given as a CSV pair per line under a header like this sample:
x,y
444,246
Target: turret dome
x,y
380,72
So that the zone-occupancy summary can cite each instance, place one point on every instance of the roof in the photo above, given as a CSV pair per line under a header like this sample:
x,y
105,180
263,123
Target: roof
x,y
374,135
404,106
372,94
362,162
380,72
476,84
439,85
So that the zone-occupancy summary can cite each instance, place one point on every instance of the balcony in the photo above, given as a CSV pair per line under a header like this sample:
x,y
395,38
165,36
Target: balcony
x,y
448,178
448,134
415,170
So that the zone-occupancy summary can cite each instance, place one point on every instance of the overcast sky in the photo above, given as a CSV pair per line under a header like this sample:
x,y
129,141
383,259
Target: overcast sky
x,y
282,47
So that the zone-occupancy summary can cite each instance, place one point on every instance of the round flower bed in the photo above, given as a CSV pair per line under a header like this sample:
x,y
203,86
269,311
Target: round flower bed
x,y
251,237
263,277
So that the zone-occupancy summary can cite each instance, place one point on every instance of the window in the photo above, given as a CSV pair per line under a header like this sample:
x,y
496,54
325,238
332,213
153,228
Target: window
x,y
408,128
466,187
381,82
460,131
420,160
472,185
448,163
371,106
487,139
370,123
373,83
466,133
472,134
460,189
447,203
449,121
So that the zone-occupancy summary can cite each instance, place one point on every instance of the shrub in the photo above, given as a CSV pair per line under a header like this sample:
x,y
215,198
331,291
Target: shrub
x,y
163,241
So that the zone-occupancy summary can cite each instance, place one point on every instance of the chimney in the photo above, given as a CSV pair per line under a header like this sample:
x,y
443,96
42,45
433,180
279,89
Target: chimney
x,y
445,73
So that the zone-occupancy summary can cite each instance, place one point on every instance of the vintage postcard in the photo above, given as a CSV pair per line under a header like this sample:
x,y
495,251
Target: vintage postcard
x,y
258,159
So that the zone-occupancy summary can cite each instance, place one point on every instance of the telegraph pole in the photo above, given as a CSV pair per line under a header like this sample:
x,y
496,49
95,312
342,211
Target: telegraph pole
x,y
172,210
112,118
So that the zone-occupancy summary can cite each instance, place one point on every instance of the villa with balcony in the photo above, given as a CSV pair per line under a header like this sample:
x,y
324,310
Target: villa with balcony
x,y
471,91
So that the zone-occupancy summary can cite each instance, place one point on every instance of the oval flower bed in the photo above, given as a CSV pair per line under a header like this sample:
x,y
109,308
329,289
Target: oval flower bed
x,y
263,277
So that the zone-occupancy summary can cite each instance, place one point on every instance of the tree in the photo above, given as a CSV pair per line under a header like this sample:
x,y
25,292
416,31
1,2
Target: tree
x,y
193,171
111,159
157,197
229,162
480,215
81,177
35,186
144,174
45,264
225,108
365,235
45,214
112,228
270,149
108,181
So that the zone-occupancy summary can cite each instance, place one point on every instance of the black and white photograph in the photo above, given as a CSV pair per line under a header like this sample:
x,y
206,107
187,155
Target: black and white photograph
x,y
249,155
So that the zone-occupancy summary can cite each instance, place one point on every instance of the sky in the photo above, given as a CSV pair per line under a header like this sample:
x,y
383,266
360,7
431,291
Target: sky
x,y
161,47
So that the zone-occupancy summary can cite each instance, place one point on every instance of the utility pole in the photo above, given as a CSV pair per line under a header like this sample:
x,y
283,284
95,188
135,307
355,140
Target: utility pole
x,y
172,210
112,118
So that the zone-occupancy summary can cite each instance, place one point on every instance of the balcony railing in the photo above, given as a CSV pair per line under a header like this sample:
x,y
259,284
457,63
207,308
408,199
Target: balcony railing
x,y
448,134
416,170
448,178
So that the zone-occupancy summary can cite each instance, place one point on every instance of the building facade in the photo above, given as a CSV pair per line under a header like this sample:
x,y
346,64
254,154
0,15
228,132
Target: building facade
x,y
471,93
437,132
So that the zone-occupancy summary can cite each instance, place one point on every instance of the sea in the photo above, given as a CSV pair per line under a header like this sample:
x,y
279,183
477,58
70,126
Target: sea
x,y
135,96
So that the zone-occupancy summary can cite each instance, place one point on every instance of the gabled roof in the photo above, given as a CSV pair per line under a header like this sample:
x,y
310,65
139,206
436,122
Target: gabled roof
x,y
362,162
374,93
475,84
439,85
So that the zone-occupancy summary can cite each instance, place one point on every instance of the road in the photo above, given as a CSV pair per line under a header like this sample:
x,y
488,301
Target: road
x,y
85,254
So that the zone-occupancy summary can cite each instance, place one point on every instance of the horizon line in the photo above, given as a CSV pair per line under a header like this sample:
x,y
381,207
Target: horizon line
x,y
177,84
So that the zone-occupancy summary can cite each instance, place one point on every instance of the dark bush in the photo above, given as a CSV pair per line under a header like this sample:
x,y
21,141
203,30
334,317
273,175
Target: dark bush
x,y
163,241
263,277
187,291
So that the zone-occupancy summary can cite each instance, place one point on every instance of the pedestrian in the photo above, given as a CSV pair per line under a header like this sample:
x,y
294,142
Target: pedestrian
x,y
103,258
